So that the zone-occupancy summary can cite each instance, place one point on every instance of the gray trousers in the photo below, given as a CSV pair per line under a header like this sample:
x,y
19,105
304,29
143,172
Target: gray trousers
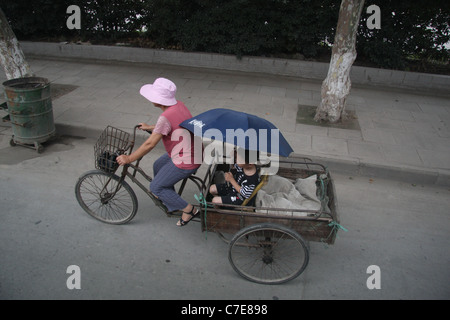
x,y
166,175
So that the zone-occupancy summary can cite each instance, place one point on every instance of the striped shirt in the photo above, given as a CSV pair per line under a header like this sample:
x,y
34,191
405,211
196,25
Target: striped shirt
x,y
247,183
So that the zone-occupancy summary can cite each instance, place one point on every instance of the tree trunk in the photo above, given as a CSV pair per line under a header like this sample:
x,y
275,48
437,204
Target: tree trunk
x,y
11,55
336,86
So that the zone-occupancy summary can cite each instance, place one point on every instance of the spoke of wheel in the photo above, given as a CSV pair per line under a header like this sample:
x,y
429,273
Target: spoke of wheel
x,y
268,254
115,209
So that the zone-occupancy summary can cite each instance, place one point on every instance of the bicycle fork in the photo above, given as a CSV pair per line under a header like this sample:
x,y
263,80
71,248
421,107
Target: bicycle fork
x,y
105,195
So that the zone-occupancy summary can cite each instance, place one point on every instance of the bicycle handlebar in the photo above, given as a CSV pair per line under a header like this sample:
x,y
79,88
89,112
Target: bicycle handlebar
x,y
131,144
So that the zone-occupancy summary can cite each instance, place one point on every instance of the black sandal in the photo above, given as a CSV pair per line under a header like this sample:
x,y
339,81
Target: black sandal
x,y
193,215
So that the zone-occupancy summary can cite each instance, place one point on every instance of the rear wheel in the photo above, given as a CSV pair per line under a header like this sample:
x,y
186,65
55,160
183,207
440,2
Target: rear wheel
x,y
101,196
268,253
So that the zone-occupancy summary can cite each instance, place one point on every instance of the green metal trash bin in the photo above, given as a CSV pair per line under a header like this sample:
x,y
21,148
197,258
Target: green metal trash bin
x,y
30,111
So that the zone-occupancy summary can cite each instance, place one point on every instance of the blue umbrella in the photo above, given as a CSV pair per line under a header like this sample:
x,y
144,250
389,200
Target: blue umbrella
x,y
240,129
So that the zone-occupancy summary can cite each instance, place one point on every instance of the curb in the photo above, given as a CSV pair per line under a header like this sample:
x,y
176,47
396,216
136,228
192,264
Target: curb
x,y
412,175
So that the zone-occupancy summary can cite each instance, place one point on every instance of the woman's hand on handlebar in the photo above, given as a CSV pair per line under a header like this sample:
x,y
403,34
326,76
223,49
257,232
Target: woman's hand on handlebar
x,y
146,127
123,159
145,148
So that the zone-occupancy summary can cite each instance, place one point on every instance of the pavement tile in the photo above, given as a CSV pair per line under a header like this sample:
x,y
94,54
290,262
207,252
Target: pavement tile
x,y
231,95
402,154
284,124
435,108
400,115
345,134
299,93
273,91
378,136
389,124
73,114
90,82
129,120
301,143
328,145
435,158
290,110
246,88
419,126
192,84
405,106
204,93
222,85
310,85
101,116
59,108
366,150
313,130
257,99
442,130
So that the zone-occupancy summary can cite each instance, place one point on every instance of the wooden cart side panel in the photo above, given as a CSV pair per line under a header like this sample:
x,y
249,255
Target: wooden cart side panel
x,y
310,230
333,204
296,173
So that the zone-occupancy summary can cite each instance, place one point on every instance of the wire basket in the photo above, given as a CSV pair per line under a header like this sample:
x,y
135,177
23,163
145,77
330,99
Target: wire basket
x,y
112,143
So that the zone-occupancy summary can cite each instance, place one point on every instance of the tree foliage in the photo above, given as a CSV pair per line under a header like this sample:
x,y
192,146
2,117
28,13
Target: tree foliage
x,y
410,29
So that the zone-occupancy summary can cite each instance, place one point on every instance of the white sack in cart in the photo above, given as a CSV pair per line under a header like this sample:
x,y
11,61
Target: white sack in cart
x,y
281,193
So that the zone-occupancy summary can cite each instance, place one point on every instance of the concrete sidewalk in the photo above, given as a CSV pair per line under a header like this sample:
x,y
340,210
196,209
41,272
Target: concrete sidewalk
x,y
403,135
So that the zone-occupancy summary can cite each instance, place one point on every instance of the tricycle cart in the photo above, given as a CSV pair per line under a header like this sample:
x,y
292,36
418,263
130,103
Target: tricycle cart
x,y
266,245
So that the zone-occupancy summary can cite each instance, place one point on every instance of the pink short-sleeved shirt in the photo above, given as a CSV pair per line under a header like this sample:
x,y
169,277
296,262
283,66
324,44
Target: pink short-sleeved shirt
x,y
162,126
178,142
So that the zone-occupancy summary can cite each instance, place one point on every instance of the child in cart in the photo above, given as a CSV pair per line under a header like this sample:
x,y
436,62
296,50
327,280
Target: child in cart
x,y
240,185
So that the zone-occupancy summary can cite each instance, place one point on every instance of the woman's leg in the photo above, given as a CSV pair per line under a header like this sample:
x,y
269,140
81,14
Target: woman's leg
x,y
188,213
159,163
163,185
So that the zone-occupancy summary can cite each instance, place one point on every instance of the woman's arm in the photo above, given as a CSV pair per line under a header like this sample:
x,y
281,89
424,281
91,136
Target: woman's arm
x,y
145,148
146,127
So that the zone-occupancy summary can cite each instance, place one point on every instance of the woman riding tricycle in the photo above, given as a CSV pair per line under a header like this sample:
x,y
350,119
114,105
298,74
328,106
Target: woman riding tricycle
x,y
268,243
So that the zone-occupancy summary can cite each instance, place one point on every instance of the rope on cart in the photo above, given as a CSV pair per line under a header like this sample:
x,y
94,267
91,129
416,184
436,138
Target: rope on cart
x,y
201,199
336,226
322,178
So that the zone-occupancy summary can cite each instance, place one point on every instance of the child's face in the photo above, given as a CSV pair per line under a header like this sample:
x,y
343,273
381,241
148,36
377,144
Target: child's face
x,y
239,161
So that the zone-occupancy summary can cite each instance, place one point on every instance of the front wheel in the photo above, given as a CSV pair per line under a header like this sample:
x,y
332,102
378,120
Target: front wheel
x,y
268,253
105,198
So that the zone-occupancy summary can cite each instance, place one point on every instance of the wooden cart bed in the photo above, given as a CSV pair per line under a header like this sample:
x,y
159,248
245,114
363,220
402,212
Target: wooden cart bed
x,y
318,225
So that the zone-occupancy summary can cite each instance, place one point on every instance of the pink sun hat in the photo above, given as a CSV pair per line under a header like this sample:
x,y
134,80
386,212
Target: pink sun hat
x,y
162,91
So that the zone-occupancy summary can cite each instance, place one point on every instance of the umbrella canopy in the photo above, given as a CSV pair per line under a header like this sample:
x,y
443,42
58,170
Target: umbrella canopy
x,y
241,129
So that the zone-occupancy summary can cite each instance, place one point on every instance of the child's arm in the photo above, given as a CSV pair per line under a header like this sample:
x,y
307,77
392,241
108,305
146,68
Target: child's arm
x,y
229,178
246,190
249,184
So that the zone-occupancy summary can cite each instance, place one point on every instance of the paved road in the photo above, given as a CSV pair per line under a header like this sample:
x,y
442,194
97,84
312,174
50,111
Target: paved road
x,y
402,228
